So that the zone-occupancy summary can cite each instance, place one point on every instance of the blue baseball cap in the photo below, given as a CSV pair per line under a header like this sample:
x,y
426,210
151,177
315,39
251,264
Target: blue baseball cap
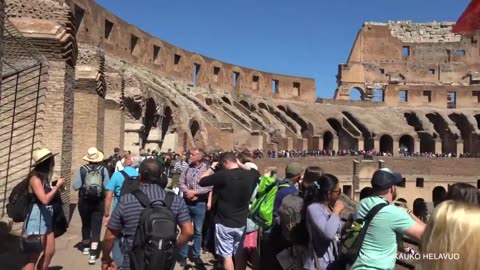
x,y
384,179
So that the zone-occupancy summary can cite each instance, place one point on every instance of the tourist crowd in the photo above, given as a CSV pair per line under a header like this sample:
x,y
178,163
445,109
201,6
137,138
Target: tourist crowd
x,y
225,205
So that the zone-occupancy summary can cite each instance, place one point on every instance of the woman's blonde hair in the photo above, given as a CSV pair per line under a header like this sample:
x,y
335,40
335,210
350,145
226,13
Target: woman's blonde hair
x,y
452,232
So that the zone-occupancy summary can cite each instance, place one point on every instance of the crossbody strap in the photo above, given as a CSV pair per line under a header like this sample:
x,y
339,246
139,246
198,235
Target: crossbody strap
x,y
125,175
142,198
357,244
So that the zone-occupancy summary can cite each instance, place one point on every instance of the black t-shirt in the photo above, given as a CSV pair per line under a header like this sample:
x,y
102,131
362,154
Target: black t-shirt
x,y
233,189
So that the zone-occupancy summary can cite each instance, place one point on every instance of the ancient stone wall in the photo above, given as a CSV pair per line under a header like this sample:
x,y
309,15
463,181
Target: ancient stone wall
x,y
98,27
411,64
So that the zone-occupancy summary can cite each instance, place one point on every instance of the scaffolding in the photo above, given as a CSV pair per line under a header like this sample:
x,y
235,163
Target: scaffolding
x,y
22,91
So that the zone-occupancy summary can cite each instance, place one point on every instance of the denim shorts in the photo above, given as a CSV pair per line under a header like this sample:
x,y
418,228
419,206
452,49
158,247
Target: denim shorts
x,y
228,240
39,220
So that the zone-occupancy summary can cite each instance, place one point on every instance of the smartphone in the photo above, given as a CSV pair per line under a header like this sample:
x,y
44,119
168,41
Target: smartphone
x,y
54,183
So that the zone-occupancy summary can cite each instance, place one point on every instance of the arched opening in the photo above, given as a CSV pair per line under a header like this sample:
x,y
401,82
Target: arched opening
x,y
386,144
406,144
438,195
194,128
368,143
420,209
449,144
245,104
208,101
226,100
296,118
345,140
166,120
328,141
262,106
356,94
466,131
132,107
477,117
150,119
427,142
413,121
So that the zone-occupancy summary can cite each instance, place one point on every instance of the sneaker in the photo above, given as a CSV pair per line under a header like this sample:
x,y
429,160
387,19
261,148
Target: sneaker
x,y
92,259
86,251
197,261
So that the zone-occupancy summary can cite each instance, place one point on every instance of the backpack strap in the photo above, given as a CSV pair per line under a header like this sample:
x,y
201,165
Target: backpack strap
x,y
125,175
168,200
142,198
371,214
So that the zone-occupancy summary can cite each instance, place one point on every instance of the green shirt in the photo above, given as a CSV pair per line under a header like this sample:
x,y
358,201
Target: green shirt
x,y
379,249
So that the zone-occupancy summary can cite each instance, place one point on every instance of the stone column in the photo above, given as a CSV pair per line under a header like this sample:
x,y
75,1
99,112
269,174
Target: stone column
x,y
55,39
89,109
396,147
416,147
289,143
316,143
335,143
114,128
132,137
438,146
376,145
361,144
459,147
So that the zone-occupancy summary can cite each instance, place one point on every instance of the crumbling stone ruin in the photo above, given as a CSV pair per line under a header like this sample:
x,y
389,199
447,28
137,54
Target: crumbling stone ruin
x,y
107,83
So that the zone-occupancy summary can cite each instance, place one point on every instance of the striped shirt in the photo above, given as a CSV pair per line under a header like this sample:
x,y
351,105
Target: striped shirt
x,y
127,213
189,181
180,166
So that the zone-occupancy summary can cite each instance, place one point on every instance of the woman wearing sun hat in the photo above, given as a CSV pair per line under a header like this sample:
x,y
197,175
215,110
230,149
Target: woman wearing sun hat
x,y
40,220
91,200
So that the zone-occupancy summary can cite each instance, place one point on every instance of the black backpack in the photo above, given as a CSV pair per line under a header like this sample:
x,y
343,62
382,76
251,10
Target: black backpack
x,y
130,184
156,235
20,202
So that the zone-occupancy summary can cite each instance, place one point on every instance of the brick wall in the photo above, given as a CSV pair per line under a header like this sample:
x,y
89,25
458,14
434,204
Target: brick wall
x,y
114,125
88,124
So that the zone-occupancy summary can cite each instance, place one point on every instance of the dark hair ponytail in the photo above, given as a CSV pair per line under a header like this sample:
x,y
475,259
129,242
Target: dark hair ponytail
x,y
318,192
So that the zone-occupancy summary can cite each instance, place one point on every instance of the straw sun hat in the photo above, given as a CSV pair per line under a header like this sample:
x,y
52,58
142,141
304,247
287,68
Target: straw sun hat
x,y
93,155
40,155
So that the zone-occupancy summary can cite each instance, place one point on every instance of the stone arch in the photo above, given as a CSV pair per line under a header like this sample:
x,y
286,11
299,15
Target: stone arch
x,y
262,105
245,104
386,144
132,107
427,142
166,120
328,141
359,93
150,119
194,128
439,194
449,144
406,144
226,100
466,131
345,140
305,127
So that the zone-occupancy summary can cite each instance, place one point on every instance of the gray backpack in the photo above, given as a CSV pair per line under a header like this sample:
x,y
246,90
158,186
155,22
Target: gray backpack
x,y
292,221
93,183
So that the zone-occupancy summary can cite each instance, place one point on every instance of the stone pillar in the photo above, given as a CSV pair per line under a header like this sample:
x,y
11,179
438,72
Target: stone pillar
x,y
132,137
316,143
416,147
289,143
438,146
396,147
88,127
361,144
376,145
459,148
55,38
335,143
114,127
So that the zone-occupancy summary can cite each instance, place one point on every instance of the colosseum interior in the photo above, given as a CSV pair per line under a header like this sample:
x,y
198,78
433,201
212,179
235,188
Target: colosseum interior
x,y
76,76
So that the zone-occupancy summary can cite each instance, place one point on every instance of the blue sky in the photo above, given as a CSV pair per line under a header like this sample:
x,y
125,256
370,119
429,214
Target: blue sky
x,y
304,38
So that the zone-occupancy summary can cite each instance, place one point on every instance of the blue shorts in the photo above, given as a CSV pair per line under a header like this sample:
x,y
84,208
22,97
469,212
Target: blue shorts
x,y
39,220
228,240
